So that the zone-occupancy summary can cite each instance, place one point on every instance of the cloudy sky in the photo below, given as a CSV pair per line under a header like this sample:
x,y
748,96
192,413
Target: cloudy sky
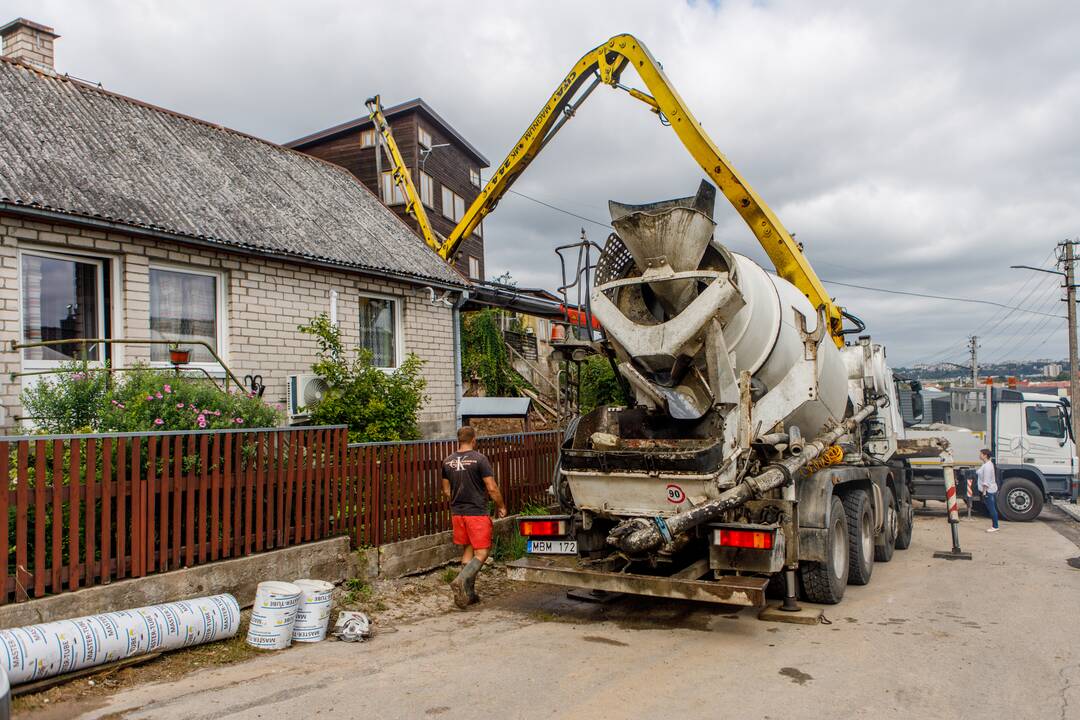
x,y
921,147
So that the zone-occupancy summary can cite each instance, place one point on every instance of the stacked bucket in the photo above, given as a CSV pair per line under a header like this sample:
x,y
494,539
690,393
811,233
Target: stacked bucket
x,y
284,612
39,651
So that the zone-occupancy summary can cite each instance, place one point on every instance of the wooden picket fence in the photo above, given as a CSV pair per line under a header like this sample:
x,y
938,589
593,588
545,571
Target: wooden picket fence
x,y
83,510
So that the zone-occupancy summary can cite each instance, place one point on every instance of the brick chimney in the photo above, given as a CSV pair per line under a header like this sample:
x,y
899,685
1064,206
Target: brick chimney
x,y
30,42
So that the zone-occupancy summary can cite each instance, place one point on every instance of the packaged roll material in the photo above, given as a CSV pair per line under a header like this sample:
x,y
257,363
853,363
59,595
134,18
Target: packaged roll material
x,y
39,651
273,615
313,613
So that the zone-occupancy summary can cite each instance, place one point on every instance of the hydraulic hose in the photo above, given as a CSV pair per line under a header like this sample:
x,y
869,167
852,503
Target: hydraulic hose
x,y
639,535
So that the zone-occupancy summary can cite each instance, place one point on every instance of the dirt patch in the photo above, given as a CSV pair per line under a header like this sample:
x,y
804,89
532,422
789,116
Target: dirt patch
x,y
797,676
604,641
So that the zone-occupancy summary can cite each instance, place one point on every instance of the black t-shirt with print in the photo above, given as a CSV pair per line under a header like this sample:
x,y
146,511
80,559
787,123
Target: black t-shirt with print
x,y
466,472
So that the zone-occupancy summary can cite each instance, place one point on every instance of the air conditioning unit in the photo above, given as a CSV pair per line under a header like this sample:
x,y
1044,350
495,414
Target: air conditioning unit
x,y
304,391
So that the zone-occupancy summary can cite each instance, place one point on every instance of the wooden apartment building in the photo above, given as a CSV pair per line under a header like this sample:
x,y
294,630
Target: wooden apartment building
x,y
445,167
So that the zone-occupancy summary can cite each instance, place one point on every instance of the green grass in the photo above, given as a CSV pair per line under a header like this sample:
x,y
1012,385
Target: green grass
x,y
448,574
357,591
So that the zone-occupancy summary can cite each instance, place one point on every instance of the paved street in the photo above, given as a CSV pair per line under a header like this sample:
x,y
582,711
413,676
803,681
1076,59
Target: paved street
x,y
995,637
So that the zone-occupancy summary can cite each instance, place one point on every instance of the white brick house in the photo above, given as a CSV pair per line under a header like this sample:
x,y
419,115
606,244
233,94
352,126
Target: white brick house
x,y
123,220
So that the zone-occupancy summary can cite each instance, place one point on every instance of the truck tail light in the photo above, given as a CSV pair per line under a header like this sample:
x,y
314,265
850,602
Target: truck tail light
x,y
753,539
541,528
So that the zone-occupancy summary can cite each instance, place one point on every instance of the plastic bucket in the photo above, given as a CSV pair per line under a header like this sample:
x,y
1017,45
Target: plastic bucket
x,y
313,613
273,615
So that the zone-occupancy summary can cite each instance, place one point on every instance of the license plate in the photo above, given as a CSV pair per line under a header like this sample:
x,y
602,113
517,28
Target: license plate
x,y
552,547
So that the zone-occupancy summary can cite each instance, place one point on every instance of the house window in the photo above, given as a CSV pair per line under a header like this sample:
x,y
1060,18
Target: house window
x,y
479,230
63,298
379,330
427,189
367,138
184,307
423,137
453,205
474,177
474,268
391,193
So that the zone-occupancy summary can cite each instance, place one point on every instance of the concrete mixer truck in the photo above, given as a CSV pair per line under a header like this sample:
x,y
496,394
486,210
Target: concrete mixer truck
x,y
757,443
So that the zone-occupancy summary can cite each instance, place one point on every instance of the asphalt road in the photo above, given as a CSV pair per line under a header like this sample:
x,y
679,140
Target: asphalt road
x,y
994,637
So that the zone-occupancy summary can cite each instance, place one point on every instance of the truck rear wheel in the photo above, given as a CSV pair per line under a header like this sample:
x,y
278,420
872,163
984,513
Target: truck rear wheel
x,y
905,517
1019,500
860,522
825,582
886,540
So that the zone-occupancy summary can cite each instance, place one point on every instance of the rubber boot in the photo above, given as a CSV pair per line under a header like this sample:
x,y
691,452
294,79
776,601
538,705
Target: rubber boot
x,y
463,585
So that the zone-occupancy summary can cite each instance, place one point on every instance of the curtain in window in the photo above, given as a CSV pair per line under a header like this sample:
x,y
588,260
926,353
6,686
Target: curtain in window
x,y
59,301
377,331
183,306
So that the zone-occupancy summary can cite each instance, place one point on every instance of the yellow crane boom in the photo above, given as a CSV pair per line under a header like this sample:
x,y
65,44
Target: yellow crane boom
x,y
399,173
605,64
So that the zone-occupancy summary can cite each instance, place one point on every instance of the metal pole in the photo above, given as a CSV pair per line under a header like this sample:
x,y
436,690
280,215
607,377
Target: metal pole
x,y
954,513
973,343
1074,380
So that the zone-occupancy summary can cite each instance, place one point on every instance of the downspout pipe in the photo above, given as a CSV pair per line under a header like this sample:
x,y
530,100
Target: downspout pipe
x,y
458,387
639,535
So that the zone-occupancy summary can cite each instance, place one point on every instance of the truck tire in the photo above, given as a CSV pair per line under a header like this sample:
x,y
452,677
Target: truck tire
x,y
905,517
886,539
1019,500
860,523
825,582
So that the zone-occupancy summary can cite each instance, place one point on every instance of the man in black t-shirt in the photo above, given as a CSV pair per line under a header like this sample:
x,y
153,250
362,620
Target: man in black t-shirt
x,y
468,481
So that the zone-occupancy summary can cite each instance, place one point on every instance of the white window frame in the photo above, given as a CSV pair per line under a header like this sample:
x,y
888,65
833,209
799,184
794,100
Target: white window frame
x,y
474,267
479,230
427,189
399,329
367,138
80,256
392,194
221,308
456,206
423,138
474,176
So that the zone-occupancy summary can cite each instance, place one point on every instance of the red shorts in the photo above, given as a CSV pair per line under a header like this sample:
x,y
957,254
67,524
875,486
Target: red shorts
x,y
473,530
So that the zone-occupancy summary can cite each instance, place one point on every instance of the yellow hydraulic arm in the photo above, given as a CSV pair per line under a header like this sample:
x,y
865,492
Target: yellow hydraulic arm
x,y
400,174
605,64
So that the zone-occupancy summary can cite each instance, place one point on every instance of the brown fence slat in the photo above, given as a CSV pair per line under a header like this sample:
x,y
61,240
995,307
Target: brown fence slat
x,y
226,497
57,554
204,496
121,508
191,499
177,499
90,513
108,491
165,493
5,528
40,513
138,510
74,484
22,512
215,497
260,489
149,503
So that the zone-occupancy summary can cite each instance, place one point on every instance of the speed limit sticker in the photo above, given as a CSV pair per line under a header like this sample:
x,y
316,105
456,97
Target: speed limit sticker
x,y
675,494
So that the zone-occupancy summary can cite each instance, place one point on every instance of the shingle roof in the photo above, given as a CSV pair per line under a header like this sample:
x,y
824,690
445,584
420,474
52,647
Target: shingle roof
x,y
72,148
416,104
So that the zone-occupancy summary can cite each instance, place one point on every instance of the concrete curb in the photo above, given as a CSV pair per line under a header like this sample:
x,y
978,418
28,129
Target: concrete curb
x,y
1068,508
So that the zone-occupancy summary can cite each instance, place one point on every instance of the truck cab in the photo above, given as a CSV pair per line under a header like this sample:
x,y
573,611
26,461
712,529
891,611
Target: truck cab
x,y
1034,448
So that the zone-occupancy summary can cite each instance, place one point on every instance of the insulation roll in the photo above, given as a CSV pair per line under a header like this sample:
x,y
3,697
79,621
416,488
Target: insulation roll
x,y
313,613
273,615
39,651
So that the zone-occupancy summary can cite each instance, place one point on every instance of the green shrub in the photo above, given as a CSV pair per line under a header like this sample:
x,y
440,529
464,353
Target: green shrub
x,y
71,401
483,354
79,400
599,386
376,405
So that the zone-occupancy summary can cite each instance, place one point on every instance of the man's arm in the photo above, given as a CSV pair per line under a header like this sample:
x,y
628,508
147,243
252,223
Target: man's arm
x,y
446,488
496,496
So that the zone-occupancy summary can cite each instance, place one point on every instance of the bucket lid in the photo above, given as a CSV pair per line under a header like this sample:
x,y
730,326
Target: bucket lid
x,y
316,585
276,587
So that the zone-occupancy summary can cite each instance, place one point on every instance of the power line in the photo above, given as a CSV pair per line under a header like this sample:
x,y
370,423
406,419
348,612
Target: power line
x,y
938,297
559,209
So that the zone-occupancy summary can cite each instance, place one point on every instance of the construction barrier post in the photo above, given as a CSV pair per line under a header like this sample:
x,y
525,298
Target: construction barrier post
x,y
954,513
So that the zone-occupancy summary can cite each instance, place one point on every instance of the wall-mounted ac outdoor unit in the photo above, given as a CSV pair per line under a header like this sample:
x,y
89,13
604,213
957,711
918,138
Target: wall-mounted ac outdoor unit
x,y
304,391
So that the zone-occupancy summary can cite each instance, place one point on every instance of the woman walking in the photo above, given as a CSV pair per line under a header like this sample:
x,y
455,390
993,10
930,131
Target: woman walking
x,y
988,487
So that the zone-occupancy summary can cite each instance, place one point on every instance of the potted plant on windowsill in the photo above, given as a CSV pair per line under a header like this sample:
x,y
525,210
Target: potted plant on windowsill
x,y
178,355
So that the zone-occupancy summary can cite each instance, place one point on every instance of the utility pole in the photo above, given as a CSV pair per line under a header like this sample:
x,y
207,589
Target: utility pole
x,y
1070,304
973,344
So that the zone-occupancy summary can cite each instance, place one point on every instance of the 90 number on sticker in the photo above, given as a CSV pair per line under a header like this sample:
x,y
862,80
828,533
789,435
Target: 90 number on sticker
x,y
675,494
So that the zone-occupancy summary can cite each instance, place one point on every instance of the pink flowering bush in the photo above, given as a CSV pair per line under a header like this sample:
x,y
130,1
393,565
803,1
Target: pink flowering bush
x,y
142,399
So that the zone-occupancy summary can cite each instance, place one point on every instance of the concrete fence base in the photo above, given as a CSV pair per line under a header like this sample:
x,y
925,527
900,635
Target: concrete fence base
x,y
329,560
